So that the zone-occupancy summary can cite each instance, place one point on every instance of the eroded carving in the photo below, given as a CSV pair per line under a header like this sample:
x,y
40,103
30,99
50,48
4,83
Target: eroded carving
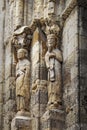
x,y
22,80
53,59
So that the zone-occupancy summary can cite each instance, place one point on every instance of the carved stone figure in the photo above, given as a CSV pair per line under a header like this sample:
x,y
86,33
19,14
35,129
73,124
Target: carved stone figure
x,y
53,59
22,80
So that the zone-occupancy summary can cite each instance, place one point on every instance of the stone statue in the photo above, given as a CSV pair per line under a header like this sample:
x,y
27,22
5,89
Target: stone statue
x,y
22,80
53,59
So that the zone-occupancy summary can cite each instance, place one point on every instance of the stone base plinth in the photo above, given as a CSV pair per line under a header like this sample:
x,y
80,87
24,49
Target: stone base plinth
x,y
53,120
21,123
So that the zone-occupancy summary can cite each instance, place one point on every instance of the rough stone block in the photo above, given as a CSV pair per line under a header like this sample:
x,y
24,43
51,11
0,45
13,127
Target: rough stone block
x,y
21,123
53,120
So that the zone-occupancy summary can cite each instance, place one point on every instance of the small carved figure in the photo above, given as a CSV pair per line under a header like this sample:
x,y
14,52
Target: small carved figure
x,y
22,80
53,59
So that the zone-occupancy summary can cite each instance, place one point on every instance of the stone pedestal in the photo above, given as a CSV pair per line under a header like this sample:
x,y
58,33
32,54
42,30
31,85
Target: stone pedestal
x,y
53,120
21,123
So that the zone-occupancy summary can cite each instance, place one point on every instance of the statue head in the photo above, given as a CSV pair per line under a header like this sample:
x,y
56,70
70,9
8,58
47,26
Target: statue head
x,y
22,53
51,42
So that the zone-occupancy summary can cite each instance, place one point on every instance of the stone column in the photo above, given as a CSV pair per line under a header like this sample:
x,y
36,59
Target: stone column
x,y
19,12
39,78
45,9
38,9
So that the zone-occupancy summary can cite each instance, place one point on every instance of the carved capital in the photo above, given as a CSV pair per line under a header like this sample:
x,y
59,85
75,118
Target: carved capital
x,y
52,30
22,37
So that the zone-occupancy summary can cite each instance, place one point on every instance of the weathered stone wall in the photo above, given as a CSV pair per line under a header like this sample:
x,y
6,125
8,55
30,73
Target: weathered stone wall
x,y
70,69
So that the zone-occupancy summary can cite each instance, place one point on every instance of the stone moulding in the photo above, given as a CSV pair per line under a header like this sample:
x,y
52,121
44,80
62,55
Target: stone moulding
x,y
68,9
